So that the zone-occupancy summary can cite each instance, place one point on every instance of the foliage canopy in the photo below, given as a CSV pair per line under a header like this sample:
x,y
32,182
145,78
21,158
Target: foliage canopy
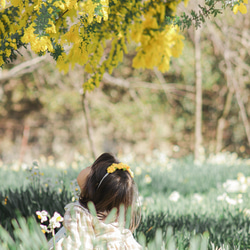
x,y
94,33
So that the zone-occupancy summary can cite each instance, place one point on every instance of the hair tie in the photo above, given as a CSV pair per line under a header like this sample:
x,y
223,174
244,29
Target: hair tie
x,y
112,168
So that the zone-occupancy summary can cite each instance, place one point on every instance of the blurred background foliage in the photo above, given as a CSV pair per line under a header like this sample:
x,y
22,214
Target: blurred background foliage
x,y
133,111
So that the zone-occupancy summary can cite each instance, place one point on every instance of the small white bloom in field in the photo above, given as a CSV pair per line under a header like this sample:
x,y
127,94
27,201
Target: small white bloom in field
x,y
140,201
232,186
55,220
241,178
138,171
246,212
161,156
51,161
15,167
222,197
81,158
42,215
74,165
148,159
147,179
24,166
198,197
43,159
240,201
231,201
248,181
239,196
176,148
44,228
243,188
224,158
175,196
61,165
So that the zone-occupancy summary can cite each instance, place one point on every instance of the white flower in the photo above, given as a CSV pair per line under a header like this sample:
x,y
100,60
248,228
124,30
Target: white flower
x,y
247,212
42,215
74,165
23,166
240,201
231,201
198,197
232,186
175,196
222,197
139,201
176,148
61,165
248,181
44,228
138,171
243,188
241,178
147,179
55,220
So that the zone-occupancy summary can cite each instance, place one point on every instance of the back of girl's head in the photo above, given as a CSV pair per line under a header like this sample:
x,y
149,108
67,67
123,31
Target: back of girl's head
x,y
116,189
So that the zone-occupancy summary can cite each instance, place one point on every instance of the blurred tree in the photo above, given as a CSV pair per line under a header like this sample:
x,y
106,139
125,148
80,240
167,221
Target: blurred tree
x,y
229,42
79,32
148,110
198,99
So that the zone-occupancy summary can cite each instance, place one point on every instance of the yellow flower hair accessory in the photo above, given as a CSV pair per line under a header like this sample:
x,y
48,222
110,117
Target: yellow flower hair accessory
x,y
111,169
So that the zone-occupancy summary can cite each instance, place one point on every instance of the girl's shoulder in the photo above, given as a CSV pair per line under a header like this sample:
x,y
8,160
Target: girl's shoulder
x,y
76,206
76,210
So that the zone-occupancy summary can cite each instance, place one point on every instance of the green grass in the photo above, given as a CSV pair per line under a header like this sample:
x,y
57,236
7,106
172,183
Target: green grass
x,y
198,210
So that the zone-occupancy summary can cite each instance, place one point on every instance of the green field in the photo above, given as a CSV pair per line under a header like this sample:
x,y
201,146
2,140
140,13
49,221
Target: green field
x,y
184,205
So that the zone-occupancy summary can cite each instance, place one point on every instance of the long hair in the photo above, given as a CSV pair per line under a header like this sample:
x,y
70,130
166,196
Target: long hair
x,y
115,190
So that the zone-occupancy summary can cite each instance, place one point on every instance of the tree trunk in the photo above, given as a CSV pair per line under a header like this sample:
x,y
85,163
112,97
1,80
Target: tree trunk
x,y
24,144
242,110
89,127
198,105
222,121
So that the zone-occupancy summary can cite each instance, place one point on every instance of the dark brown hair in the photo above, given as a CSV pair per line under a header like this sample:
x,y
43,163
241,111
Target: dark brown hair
x,y
115,190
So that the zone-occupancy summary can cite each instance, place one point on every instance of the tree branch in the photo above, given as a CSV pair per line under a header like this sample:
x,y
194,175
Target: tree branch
x,y
21,68
179,89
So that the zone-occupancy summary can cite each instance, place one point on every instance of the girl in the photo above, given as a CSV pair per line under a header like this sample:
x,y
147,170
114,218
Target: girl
x,y
108,184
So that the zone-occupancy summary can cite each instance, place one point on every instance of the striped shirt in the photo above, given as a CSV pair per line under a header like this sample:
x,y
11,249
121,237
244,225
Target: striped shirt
x,y
83,231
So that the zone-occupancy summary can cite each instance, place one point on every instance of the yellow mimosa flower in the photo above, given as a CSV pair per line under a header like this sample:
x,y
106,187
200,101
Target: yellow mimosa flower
x,y
121,166
240,7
